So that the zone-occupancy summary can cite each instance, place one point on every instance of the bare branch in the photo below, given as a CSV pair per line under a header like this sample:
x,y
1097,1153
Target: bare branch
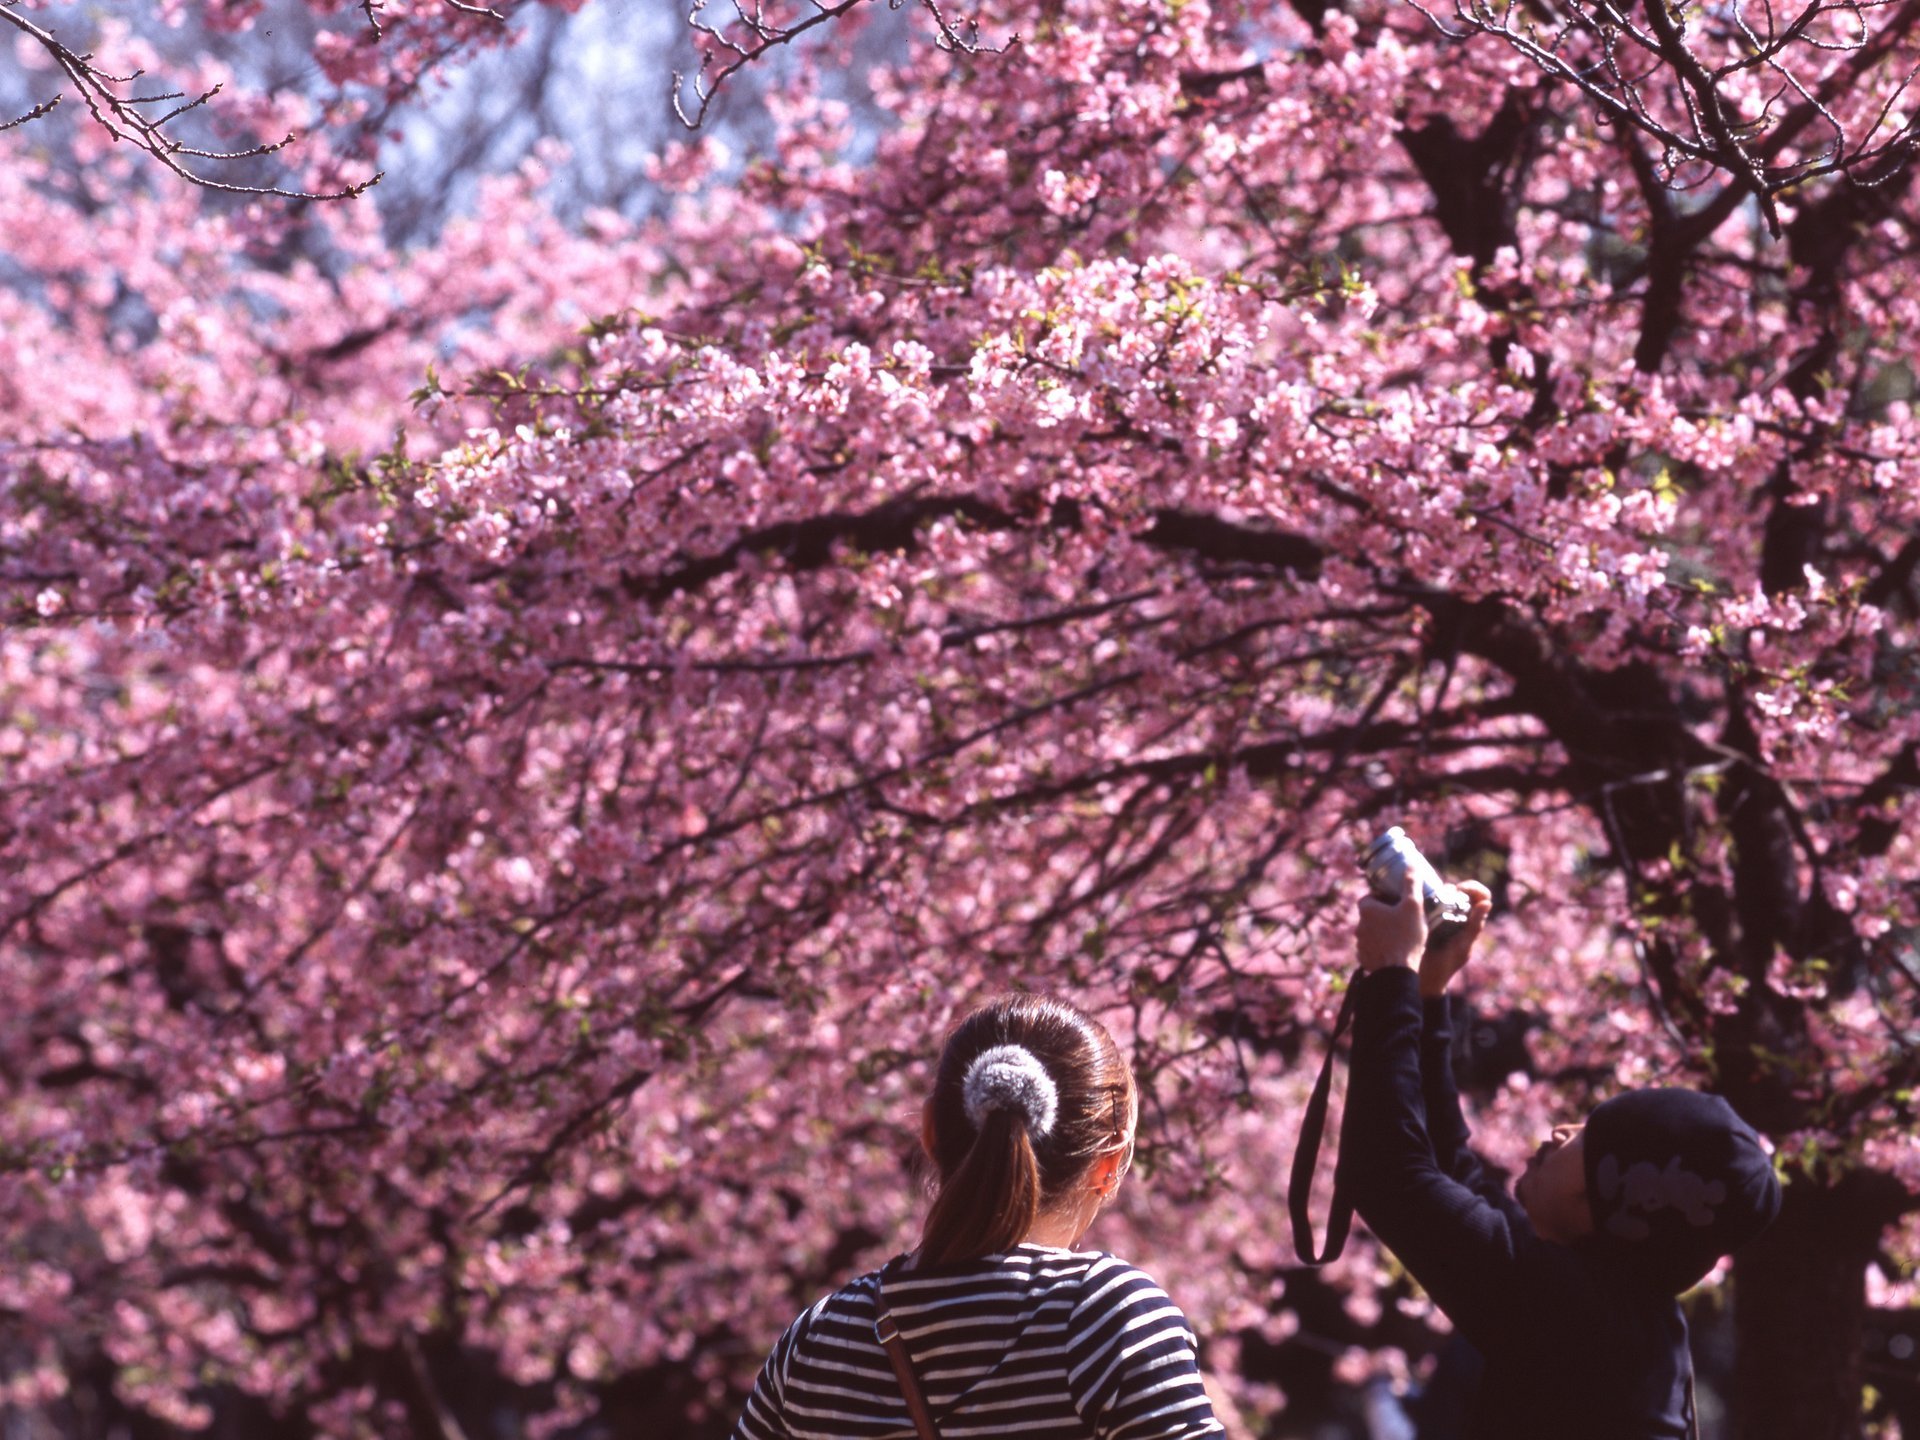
x,y
760,35
131,118
34,114
1679,78
371,9
735,44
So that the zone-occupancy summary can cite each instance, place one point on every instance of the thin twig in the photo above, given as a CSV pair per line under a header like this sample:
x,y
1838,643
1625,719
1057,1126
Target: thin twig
x,y
127,118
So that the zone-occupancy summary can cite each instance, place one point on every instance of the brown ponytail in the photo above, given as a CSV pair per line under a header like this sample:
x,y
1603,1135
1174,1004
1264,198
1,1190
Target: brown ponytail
x,y
1027,1149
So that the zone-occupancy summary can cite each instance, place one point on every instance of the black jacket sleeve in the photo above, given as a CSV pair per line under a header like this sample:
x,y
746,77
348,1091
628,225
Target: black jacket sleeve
x,y
1468,1250
1446,1125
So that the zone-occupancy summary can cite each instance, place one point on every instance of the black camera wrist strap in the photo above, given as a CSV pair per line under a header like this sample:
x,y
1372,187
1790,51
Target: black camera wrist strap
x,y
1306,1155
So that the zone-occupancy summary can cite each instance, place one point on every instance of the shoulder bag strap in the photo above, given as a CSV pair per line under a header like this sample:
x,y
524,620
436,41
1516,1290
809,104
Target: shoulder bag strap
x,y
1306,1156
888,1334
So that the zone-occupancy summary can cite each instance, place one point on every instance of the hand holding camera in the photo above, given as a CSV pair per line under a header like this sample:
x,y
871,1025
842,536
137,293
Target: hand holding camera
x,y
1447,958
1391,934
1412,917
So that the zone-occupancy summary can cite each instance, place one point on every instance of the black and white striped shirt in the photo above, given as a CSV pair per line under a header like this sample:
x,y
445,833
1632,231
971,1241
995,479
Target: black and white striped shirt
x,y
1037,1341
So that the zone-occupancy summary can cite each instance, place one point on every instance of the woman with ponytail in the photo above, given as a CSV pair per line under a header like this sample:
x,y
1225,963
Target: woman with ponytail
x,y
998,1323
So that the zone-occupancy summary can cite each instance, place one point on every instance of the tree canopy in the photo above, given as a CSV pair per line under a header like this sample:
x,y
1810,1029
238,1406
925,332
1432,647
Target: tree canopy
x,y
516,746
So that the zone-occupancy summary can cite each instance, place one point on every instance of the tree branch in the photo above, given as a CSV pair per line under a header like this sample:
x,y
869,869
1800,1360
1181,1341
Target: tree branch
x,y
131,118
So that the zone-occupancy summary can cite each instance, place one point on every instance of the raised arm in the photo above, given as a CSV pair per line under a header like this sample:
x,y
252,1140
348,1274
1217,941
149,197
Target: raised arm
x,y
1464,1248
1446,1124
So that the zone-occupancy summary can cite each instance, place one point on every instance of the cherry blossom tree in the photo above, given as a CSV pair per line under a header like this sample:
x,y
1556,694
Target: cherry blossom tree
x,y
517,748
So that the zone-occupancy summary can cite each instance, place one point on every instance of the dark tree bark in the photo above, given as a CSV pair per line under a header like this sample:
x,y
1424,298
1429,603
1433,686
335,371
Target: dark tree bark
x,y
1800,1308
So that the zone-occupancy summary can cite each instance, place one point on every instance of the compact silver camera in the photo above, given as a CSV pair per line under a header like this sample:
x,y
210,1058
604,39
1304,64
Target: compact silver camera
x,y
1389,858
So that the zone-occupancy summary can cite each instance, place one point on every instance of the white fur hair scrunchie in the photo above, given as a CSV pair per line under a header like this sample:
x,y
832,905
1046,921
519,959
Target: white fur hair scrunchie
x,y
1010,1077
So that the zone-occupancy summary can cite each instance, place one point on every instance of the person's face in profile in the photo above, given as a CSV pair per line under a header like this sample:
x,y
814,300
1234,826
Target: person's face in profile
x,y
1553,1187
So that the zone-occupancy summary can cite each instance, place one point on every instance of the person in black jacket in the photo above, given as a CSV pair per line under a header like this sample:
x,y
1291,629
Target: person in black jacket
x,y
1567,1287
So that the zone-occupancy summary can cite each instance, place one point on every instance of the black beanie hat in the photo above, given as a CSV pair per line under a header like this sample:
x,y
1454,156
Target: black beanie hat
x,y
1676,1180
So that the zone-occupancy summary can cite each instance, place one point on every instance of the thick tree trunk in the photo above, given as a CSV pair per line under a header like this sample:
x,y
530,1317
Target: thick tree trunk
x,y
1799,1297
